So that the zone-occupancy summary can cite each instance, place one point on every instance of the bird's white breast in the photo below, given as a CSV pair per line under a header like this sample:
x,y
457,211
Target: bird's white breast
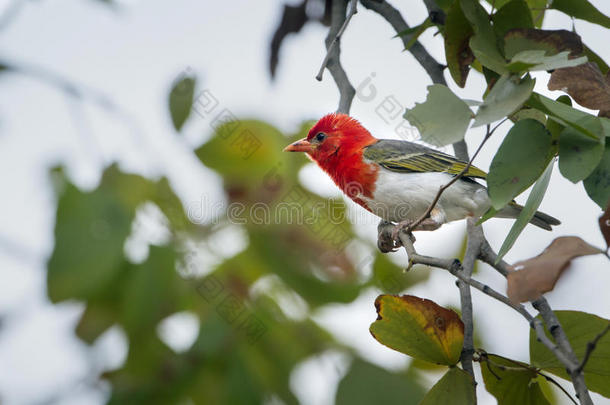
x,y
402,196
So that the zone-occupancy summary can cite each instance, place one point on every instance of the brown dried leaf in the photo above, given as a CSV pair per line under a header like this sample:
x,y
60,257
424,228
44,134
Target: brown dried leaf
x,y
604,224
585,83
552,41
533,277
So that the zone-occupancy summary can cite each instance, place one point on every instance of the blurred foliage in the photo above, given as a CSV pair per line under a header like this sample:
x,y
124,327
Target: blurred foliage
x,y
247,345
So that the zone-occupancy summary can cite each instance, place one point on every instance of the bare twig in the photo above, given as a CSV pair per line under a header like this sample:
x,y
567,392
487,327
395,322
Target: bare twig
x,y
591,346
337,37
332,60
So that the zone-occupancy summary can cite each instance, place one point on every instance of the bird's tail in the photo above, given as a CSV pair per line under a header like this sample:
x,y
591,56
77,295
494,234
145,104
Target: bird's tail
x,y
540,219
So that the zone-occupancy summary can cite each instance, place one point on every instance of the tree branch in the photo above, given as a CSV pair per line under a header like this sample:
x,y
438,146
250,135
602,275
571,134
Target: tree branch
x,y
332,60
393,16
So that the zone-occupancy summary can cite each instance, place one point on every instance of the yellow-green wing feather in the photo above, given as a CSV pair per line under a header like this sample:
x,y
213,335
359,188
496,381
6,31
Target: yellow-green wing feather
x,y
403,156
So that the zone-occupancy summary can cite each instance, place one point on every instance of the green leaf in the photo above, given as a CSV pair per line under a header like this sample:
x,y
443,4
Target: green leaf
x,y
442,119
455,388
580,328
528,211
579,154
419,328
520,160
415,32
181,100
248,155
582,10
366,384
507,95
597,184
457,51
531,113
90,230
392,279
565,114
491,212
514,14
511,382
532,60
483,42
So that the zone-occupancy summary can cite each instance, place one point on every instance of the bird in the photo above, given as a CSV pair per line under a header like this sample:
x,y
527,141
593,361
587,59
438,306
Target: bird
x,y
398,180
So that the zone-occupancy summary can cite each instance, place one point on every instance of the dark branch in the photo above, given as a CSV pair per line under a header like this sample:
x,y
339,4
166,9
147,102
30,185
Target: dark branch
x,y
332,60
591,346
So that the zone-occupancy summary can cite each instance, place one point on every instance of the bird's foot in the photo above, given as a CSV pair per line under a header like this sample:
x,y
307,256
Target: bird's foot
x,y
427,224
385,242
402,226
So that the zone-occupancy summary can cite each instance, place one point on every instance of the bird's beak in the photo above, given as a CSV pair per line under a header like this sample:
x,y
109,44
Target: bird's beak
x,y
302,145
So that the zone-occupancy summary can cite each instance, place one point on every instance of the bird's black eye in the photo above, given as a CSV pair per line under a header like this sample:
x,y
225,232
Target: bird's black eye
x,y
320,136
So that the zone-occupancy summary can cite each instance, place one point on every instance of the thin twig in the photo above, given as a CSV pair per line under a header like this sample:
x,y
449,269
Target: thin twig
x,y
591,346
332,60
353,9
427,213
484,356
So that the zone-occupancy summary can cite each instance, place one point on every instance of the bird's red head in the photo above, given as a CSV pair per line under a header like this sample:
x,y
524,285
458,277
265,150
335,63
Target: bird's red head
x,y
333,135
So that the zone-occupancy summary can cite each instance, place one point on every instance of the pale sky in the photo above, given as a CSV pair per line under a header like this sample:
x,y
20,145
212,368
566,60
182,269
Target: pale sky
x,y
131,55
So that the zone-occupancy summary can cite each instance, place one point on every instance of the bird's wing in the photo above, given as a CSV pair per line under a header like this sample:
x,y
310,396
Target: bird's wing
x,y
403,156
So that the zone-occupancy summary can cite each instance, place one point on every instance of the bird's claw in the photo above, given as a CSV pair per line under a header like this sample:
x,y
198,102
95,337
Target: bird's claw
x,y
402,226
385,242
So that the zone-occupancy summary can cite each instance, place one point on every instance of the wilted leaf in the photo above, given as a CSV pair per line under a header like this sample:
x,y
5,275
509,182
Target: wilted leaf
x,y
455,388
442,119
520,160
578,153
483,42
551,41
366,384
181,99
528,211
580,328
597,184
595,58
419,328
511,382
583,10
533,277
506,96
585,84
293,20
457,51
532,60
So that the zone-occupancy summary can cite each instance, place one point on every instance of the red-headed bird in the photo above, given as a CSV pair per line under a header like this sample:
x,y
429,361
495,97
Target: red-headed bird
x,y
398,180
